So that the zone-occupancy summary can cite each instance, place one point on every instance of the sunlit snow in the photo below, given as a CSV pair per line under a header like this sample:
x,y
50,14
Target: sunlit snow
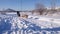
x,y
16,25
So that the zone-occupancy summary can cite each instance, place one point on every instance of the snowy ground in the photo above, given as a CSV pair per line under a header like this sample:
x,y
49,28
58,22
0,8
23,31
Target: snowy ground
x,y
34,25
45,21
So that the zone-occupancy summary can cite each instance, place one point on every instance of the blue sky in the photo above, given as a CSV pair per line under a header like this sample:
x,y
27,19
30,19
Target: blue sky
x,y
24,4
13,4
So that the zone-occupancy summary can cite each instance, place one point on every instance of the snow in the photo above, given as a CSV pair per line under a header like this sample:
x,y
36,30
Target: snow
x,y
12,24
45,21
